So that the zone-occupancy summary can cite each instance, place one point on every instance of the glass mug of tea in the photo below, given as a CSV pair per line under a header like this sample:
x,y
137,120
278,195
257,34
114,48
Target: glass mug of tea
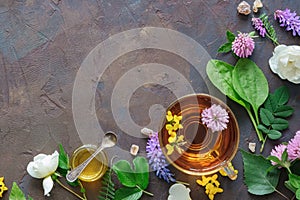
x,y
202,152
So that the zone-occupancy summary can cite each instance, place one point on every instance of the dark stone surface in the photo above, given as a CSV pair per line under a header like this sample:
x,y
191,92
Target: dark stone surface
x,y
43,43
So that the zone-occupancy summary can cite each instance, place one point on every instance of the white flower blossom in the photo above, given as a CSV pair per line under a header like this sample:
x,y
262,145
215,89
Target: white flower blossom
x,y
286,62
43,166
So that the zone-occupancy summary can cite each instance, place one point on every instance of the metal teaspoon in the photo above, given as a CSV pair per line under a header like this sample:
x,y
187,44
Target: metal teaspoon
x,y
109,140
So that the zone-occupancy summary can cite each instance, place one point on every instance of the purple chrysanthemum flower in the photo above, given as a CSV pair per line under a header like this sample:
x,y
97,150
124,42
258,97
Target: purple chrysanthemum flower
x,y
215,118
259,26
157,159
243,45
293,147
288,19
278,151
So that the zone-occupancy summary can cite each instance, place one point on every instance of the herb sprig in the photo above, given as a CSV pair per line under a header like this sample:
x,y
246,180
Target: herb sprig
x,y
273,112
270,31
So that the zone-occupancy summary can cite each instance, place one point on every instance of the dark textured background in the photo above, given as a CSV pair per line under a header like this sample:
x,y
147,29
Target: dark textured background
x,y
43,43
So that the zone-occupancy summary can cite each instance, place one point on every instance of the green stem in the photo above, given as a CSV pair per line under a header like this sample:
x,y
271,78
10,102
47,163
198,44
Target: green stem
x,y
82,189
282,194
259,134
149,193
274,41
289,170
69,190
263,144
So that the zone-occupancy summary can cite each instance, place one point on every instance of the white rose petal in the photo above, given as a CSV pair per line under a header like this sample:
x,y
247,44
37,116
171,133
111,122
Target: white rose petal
x,y
47,185
179,192
286,62
43,165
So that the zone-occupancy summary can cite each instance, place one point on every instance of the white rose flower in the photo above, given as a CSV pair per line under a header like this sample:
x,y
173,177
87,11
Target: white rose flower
x,y
179,192
286,62
43,166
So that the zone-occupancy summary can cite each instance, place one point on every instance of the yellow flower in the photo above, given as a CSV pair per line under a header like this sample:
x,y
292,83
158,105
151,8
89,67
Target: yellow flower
x,y
169,127
170,149
211,185
172,139
204,181
177,119
169,116
180,138
2,186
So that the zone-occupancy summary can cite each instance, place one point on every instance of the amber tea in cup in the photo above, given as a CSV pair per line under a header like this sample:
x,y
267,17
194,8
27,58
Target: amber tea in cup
x,y
95,169
203,152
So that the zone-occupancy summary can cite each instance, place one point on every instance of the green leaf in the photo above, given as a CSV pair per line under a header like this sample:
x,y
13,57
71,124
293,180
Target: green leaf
x,y
280,124
258,181
63,161
269,28
126,193
16,193
125,173
289,186
271,103
282,95
284,156
274,134
252,33
107,191
250,83
266,116
298,194
294,180
74,184
220,74
274,159
230,36
30,198
225,48
263,128
284,111
141,167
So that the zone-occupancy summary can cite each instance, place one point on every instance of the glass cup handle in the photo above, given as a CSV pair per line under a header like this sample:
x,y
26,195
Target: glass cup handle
x,y
227,167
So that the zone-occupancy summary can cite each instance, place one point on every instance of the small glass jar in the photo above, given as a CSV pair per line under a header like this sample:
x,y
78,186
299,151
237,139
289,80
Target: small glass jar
x,y
95,169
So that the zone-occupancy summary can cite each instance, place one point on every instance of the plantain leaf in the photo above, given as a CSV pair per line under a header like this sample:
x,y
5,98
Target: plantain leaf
x,y
282,95
126,193
250,83
274,134
266,116
280,124
284,111
257,179
220,74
